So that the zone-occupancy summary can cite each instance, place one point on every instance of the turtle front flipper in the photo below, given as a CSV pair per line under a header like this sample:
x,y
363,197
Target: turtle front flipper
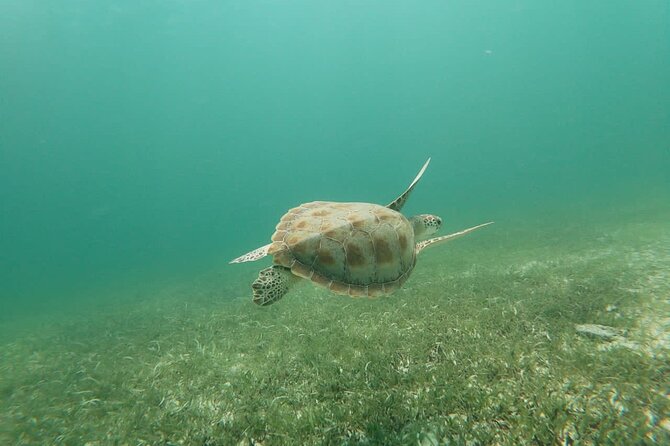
x,y
254,255
399,202
446,238
271,285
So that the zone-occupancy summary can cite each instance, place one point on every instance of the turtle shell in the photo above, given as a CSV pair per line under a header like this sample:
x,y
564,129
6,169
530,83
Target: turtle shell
x,y
359,249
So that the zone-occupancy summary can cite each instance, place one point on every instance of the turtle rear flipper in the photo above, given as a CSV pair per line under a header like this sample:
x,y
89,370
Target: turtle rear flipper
x,y
254,255
271,285
399,202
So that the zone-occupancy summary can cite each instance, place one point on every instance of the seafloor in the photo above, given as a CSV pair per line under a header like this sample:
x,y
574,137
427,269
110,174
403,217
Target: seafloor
x,y
489,343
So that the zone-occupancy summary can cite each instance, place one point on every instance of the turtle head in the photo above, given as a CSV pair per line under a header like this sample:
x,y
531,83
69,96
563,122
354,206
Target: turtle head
x,y
425,225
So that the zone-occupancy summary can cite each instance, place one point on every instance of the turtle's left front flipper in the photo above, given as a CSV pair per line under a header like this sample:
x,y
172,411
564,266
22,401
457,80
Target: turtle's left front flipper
x,y
399,202
446,238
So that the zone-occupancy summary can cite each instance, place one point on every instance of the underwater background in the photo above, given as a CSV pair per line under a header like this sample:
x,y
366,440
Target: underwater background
x,y
144,144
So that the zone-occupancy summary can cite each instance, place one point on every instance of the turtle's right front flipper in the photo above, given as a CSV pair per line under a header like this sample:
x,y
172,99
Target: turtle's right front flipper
x,y
446,238
254,255
271,285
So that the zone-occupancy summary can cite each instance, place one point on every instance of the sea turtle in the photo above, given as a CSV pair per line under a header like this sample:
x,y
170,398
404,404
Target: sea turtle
x,y
356,249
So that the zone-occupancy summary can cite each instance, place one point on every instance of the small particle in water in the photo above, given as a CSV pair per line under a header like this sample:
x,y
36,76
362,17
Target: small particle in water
x,y
488,52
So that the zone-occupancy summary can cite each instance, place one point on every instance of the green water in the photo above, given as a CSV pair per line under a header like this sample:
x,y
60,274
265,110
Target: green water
x,y
144,144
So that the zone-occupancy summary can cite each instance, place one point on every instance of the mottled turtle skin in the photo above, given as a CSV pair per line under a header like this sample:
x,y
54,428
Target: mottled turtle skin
x,y
355,249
